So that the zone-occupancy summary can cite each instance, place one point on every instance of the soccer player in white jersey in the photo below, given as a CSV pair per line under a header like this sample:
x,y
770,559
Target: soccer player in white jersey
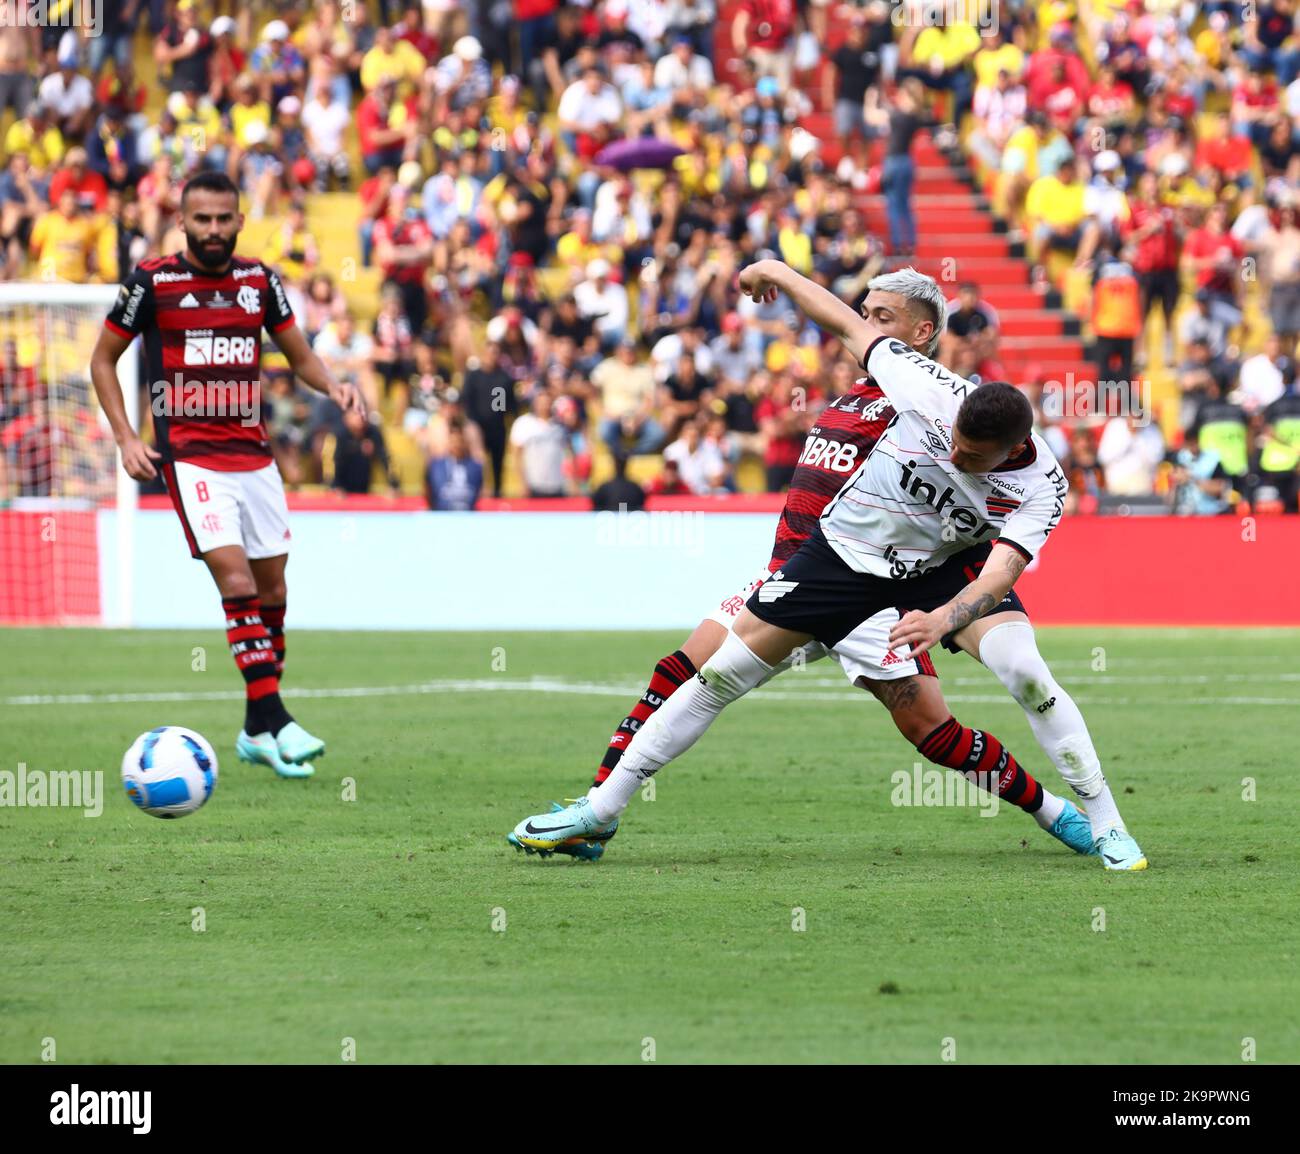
x,y
958,468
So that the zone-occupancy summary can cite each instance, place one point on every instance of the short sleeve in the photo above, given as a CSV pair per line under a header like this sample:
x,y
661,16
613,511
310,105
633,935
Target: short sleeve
x,y
279,314
912,381
1028,528
133,310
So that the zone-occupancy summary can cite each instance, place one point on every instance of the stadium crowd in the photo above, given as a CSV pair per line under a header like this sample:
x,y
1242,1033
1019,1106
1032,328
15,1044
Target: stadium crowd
x,y
552,201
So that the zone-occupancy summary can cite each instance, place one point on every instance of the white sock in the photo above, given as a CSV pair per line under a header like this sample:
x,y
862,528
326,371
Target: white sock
x,y
1050,810
1102,812
679,723
1010,651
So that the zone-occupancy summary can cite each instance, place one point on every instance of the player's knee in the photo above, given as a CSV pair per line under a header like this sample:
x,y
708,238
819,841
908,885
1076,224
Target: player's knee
x,y
1010,653
238,585
272,594
733,671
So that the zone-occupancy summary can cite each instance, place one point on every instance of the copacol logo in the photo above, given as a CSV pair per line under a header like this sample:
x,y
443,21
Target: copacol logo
x,y
78,1107
87,14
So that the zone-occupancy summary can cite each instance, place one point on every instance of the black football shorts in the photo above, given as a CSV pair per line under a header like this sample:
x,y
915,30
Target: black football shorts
x,y
816,592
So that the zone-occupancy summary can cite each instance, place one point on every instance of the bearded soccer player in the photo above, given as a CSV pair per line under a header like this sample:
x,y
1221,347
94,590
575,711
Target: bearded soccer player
x,y
202,313
999,634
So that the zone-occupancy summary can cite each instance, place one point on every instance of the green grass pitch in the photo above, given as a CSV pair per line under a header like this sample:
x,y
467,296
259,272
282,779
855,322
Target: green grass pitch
x,y
401,919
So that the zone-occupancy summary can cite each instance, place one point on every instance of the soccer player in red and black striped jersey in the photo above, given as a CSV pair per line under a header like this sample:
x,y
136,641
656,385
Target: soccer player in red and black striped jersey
x,y
201,313
911,307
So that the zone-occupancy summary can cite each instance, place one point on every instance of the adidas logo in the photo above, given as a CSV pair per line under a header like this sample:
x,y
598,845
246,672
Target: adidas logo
x,y
891,658
189,301
775,588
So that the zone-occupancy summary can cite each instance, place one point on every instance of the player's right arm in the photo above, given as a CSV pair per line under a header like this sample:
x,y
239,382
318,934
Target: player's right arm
x,y
765,279
129,316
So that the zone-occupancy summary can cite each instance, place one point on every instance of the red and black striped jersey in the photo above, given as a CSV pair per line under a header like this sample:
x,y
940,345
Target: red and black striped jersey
x,y
845,433
203,348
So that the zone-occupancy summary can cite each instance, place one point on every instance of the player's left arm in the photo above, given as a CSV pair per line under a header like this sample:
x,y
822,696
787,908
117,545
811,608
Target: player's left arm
x,y
765,280
313,372
922,631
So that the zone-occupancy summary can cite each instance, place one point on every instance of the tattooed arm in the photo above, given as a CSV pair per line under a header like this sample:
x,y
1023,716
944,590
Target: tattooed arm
x,y
922,631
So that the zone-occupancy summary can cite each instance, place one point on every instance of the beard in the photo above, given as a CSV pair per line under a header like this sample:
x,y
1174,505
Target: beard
x,y
210,257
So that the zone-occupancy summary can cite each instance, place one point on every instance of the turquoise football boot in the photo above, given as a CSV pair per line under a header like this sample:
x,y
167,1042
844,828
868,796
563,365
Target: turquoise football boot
x,y
263,750
1074,830
296,745
582,850
569,823
1120,852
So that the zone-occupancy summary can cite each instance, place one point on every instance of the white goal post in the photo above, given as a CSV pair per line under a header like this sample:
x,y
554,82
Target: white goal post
x,y
59,457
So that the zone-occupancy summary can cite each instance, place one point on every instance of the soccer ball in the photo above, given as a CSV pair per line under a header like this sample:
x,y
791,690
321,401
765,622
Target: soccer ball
x,y
169,771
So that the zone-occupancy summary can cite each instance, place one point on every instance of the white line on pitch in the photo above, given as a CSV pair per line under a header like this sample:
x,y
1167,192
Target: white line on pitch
x,y
579,688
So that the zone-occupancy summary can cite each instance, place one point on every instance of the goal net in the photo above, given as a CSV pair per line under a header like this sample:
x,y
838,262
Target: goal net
x,y
66,506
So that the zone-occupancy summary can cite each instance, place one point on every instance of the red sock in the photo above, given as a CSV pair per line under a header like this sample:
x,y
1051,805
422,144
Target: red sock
x,y
983,759
273,619
671,672
250,646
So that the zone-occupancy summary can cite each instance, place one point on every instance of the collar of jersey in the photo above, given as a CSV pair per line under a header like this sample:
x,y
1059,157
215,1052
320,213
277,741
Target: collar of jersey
x,y
1010,466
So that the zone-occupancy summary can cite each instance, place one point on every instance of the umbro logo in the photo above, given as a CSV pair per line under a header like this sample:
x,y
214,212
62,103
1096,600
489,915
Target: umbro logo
x,y
189,301
775,588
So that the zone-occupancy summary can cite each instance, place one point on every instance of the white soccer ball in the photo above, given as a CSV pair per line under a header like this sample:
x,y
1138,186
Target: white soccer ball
x,y
169,771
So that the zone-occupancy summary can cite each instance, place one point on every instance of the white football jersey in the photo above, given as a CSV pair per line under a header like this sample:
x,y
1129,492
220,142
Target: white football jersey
x,y
907,508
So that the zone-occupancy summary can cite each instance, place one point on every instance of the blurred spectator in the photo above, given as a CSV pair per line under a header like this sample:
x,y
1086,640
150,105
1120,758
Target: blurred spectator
x,y
735,360
69,96
970,334
627,392
1201,374
226,64
454,481
669,482
999,110
349,352
23,198
1279,457
111,150
541,447
1054,211
1198,484
183,49
1212,255
763,31
65,242
1281,246
403,250
700,464
19,52
1130,452
277,64
604,302
850,72
1087,478
386,126
902,122
1263,377
618,494
1221,427
1269,43
783,420
488,394
1116,318
352,454
1152,233
588,113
